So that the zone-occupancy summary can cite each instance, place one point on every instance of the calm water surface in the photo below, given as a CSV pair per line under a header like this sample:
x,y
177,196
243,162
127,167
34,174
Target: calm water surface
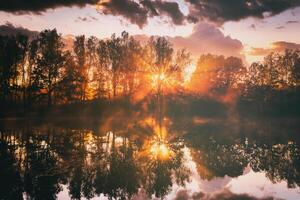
x,y
138,159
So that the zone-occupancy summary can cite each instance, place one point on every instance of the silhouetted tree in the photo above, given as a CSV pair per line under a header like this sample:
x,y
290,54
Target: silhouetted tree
x,y
102,75
131,62
115,56
70,86
80,57
13,51
50,60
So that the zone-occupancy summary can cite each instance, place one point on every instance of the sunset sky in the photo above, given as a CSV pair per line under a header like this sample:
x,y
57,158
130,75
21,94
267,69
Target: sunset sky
x,y
245,28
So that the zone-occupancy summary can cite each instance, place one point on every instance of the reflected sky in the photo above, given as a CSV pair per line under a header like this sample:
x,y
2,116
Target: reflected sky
x,y
56,161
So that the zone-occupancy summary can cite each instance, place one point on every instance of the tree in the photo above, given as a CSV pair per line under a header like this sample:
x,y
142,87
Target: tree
x,y
92,61
49,63
80,52
102,70
23,48
131,62
279,71
183,60
162,53
217,73
70,86
115,56
291,63
32,63
12,50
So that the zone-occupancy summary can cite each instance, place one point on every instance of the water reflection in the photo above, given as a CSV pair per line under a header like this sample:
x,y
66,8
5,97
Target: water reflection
x,y
40,162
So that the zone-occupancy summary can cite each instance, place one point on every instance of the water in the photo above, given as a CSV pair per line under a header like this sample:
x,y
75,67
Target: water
x,y
123,158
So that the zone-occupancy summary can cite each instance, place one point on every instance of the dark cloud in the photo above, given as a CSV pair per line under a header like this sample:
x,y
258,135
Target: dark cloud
x,y
10,29
280,27
139,11
38,6
279,47
218,11
224,194
94,18
292,22
252,26
148,4
83,19
170,9
86,19
129,9
221,11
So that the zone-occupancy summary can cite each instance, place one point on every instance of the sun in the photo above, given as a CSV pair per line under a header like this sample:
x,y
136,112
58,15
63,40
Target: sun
x,y
160,150
157,79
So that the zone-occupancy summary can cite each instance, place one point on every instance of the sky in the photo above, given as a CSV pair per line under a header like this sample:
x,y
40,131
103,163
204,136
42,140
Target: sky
x,y
249,29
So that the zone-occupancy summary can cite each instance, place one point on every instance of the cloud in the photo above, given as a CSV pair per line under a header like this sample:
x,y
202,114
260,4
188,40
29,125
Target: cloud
x,y
224,194
207,38
218,11
292,22
170,9
86,19
221,11
94,18
129,9
83,19
280,27
279,47
38,6
252,26
139,11
10,29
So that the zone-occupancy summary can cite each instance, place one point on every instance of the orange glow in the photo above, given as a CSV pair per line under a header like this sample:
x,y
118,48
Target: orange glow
x,y
188,72
164,82
158,77
157,147
159,131
160,150
158,80
99,5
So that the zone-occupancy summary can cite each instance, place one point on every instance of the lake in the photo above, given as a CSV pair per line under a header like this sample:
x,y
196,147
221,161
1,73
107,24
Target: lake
x,y
137,158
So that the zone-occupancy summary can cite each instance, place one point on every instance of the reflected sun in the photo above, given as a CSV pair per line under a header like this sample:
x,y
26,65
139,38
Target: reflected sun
x,y
160,150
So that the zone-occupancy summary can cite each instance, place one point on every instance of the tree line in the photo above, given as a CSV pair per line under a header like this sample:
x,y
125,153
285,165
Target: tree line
x,y
42,71
278,71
